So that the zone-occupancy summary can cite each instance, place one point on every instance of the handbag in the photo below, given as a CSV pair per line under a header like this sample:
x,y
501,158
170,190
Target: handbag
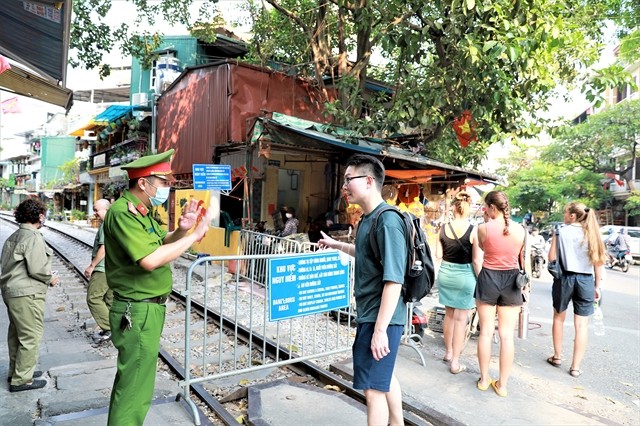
x,y
555,267
522,279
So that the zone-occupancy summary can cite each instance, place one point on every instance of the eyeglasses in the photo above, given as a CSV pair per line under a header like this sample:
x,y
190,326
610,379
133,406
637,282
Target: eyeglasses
x,y
347,180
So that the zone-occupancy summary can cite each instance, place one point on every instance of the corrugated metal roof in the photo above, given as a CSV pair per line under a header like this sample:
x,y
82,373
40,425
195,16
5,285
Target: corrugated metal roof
x,y
308,137
112,113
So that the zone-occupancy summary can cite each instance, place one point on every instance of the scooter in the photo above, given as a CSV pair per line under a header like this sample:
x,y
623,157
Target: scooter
x,y
537,260
622,260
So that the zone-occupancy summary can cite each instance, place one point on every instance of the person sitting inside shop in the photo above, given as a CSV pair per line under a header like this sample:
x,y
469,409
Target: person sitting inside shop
x,y
291,225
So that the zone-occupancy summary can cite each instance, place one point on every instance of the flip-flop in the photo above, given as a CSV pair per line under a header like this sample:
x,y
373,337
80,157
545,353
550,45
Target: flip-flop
x,y
556,362
575,372
460,369
494,385
483,388
446,361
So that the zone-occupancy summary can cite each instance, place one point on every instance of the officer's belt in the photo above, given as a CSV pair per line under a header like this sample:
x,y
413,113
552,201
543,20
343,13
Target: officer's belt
x,y
161,300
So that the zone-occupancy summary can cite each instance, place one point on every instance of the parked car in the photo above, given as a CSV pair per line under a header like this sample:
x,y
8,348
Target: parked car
x,y
632,231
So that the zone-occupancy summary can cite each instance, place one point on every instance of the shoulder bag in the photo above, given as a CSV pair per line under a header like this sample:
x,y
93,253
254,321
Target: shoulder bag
x,y
555,267
522,279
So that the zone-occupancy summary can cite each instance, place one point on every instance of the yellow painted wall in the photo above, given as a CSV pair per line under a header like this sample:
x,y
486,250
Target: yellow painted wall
x,y
213,241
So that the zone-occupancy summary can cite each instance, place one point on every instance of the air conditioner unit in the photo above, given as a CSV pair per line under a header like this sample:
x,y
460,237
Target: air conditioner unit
x,y
140,99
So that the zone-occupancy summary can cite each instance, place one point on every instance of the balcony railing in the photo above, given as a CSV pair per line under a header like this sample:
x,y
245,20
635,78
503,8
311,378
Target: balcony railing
x,y
122,153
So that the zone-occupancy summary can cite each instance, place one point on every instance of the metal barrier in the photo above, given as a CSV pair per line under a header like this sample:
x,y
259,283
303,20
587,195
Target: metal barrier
x,y
256,244
239,299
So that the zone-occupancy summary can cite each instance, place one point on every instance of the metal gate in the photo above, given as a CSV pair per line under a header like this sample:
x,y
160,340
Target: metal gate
x,y
232,288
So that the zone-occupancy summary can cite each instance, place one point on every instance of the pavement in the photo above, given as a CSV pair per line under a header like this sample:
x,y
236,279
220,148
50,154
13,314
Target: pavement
x,y
80,375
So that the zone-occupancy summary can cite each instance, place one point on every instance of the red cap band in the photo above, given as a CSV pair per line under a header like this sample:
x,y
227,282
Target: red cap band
x,y
156,169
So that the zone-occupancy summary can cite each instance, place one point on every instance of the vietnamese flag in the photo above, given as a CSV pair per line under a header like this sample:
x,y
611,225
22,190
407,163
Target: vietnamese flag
x,y
465,128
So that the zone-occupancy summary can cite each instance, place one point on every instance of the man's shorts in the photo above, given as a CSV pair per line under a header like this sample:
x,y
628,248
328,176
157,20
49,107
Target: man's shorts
x,y
367,372
497,287
578,288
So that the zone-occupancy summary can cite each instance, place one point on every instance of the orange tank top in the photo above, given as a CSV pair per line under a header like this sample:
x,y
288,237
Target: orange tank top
x,y
500,251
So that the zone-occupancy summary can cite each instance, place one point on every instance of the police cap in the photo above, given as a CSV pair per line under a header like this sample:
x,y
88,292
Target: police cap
x,y
158,165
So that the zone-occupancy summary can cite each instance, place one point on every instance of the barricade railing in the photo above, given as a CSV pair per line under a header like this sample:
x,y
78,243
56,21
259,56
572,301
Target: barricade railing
x,y
241,301
253,243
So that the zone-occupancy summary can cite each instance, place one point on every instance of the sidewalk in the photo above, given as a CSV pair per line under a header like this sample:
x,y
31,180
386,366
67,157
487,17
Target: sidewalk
x,y
79,373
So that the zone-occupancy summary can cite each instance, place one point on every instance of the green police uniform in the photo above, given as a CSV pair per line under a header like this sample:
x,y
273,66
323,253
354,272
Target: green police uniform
x,y
99,295
26,275
131,234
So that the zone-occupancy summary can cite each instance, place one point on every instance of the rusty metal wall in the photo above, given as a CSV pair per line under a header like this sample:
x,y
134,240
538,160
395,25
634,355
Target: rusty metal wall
x,y
217,105
193,117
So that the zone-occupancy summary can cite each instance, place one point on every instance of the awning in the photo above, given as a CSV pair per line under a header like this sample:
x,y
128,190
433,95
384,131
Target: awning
x,y
35,36
80,132
111,114
415,176
302,135
24,82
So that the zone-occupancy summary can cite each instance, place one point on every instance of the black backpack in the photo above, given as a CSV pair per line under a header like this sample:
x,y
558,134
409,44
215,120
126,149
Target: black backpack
x,y
417,280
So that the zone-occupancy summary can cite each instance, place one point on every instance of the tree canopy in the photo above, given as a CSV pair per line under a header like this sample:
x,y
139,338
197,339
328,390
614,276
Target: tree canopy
x,y
499,59
573,166
607,142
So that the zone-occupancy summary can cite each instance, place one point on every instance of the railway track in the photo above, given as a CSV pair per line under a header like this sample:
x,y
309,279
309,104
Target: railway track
x,y
224,401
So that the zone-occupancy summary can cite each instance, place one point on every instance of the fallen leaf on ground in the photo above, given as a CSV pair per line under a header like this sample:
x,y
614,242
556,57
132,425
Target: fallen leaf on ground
x,y
610,400
581,396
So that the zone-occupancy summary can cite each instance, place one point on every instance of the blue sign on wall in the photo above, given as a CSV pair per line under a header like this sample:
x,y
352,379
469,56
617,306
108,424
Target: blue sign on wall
x,y
215,177
306,284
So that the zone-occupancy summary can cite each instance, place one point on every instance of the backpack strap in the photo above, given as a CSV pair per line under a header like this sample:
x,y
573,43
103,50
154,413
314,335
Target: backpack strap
x,y
522,249
374,228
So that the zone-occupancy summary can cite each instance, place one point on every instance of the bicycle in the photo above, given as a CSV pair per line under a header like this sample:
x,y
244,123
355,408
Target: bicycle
x,y
473,327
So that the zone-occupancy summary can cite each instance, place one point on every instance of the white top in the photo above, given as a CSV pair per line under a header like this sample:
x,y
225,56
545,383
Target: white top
x,y
574,250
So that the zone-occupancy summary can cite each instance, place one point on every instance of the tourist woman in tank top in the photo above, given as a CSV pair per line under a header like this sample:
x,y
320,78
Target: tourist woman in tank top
x,y
582,255
461,257
496,289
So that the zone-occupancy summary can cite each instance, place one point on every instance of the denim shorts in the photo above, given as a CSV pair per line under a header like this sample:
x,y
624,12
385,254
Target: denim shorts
x,y
367,372
578,288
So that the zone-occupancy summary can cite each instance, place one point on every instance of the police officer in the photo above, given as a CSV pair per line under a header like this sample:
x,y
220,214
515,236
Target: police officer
x,y
137,263
99,296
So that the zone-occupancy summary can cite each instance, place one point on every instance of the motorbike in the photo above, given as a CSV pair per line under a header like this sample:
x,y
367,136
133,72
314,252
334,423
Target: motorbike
x,y
418,324
622,260
537,260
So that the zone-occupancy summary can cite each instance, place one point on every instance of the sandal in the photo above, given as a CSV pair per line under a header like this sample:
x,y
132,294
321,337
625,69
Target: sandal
x,y
575,372
496,389
460,369
556,362
485,387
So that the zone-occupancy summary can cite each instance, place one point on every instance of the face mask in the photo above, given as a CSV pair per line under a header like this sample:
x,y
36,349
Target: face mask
x,y
162,194
289,215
